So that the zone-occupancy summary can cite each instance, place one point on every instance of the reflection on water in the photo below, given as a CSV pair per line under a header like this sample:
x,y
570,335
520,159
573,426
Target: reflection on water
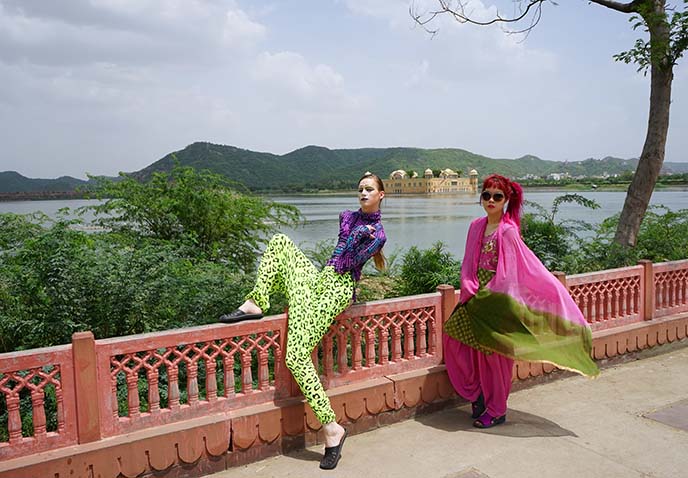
x,y
409,220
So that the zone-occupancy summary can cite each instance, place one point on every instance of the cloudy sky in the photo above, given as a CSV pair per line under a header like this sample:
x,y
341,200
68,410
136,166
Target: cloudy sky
x,y
102,86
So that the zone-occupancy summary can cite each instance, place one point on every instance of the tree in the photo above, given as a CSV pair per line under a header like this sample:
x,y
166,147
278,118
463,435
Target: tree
x,y
203,208
668,39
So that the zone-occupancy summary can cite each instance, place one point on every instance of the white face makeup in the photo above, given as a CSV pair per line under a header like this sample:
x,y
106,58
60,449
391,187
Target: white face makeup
x,y
369,196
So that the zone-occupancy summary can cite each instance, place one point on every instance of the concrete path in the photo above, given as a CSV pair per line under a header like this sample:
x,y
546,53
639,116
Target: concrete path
x,y
632,422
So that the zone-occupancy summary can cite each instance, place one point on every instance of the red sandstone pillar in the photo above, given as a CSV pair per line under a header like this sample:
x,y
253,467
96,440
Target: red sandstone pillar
x,y
448,301
562,278
86,383
648,282
448,304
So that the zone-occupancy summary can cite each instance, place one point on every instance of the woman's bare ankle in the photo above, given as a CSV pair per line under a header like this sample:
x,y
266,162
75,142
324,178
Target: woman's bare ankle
x,y
250,307
333,434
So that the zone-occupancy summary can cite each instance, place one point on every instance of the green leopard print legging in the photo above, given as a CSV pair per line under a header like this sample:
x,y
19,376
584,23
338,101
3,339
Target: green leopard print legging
x,y
315,299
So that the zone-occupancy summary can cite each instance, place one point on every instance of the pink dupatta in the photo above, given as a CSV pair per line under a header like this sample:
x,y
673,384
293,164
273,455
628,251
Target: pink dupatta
x,y
525,312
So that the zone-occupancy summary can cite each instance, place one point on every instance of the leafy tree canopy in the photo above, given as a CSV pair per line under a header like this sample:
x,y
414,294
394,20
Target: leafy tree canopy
x,y
202,208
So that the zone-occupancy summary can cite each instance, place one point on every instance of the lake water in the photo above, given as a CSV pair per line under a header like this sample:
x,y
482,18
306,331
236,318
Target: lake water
x,y
409,220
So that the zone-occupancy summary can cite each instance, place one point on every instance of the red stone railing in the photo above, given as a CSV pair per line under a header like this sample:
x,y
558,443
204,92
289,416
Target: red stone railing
x,y
37,374
99,389
117,389
670,284
610,298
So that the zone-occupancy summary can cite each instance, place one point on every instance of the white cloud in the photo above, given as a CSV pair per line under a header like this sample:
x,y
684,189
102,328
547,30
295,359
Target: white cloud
x,y
288,77
240,28
395,12
126,32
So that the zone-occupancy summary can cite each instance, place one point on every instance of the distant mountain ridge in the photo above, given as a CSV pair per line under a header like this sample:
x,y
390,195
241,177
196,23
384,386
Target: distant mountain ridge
x,y
317,167
13,182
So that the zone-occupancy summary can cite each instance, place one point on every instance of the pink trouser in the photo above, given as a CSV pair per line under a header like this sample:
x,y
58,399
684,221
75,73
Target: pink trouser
x,y
472,372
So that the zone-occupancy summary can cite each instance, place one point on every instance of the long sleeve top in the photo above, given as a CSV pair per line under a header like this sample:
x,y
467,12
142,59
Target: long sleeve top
x,y
355,246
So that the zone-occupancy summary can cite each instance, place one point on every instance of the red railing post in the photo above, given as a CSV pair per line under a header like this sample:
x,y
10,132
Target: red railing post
x,y
85,385
448,302
283,381
562,278
648,282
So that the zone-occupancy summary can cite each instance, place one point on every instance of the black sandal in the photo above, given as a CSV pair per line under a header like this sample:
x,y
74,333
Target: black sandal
x,y
237,316
478,407
333,454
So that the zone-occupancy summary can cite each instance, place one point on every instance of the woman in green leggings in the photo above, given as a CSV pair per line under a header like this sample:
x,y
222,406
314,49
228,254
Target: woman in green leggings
x,y
317,297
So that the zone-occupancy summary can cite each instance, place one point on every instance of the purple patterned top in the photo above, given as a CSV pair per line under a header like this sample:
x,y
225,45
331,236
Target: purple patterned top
x,y
355,246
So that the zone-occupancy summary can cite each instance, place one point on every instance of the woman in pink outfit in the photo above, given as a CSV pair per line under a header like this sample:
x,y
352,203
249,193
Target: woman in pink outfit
x,y
511,307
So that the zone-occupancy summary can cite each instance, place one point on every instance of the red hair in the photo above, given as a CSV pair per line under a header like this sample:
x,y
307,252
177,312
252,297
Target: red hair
x,y
513,192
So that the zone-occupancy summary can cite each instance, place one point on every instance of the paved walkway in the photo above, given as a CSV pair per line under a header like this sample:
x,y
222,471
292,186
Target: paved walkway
x,y
573,427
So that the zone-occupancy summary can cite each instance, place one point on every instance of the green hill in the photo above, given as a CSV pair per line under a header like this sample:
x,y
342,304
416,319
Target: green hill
x,y
316,167
13,182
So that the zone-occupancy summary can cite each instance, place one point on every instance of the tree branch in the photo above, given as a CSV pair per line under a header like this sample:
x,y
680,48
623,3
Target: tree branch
x,y
618,6
460,15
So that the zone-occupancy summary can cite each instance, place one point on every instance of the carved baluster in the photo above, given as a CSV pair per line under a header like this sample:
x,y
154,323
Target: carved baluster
x,y
228,364
14,425
587,308
606,303
279,370
615,303
60,409
263,372
342,359
246,374
384,346
370,348
422,341
597,300
192,382
133,394
173,386
38,406
356,354
408,341
432,339
153,390
396,342
210,379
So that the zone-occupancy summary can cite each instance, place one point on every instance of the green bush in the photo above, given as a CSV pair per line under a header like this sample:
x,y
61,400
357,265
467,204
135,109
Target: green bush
x,y
177,251
422,270
663,236
555,242
63,281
